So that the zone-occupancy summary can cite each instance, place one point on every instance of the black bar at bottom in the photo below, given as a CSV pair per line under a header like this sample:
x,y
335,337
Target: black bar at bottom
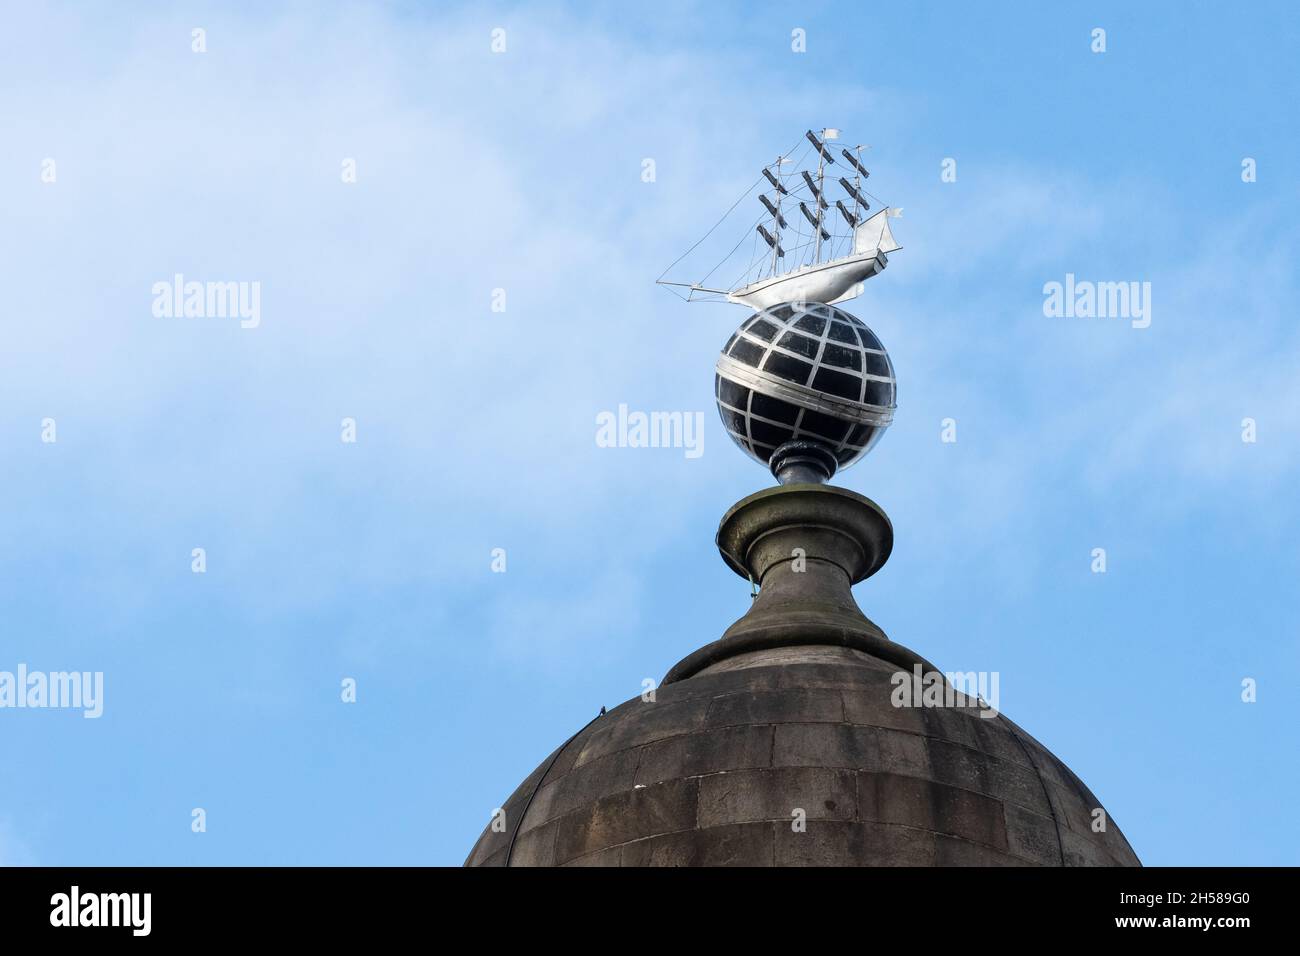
x,y
334,905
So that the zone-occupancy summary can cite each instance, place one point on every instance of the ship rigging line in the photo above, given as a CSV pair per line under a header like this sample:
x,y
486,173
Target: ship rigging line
x,y
754,259
719,222
710,232
733,248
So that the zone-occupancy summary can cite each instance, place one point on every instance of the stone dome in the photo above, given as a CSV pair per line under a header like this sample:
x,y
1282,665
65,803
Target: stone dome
x,y
784,743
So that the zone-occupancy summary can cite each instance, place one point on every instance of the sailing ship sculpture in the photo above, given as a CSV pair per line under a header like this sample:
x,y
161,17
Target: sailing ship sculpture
x,y
826,251
803,387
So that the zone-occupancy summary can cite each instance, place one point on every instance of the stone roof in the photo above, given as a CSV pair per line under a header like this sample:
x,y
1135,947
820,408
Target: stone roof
x,y
782,743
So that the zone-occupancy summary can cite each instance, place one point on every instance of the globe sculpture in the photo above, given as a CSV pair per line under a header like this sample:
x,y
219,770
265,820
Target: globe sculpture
x,y
805,389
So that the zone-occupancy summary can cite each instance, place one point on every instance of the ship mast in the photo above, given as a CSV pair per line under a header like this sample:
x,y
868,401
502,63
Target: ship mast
x,y
776,219
820,191
821,188
857,181
774,211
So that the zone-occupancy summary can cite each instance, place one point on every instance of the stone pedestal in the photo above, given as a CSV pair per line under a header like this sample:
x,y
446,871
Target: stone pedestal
x,y
805,546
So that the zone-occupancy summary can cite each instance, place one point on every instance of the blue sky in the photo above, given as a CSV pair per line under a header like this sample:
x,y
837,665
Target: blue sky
x,y
476,429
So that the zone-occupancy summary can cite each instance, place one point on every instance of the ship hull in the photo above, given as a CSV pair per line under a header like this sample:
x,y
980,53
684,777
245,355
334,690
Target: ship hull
x,y
827,282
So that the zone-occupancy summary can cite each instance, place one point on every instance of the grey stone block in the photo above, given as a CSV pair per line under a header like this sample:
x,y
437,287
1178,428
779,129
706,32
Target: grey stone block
x,y
724,680
564,759
535,847
871,706
960,766
842,746
610,856
586,782
839,843
737,844
753,795
769,707
742,747
902,753
627,816
825,667
910,801
1073,810
1031,836
1092,849
995,737
643,722
954,851
495,858
956,725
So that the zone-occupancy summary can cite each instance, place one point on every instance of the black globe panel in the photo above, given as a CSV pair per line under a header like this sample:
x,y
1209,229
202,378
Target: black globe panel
x,y
805,346
880,393
748,352
787,367
843,332
774,410
878,364
838,383
811,323
841,357
729,393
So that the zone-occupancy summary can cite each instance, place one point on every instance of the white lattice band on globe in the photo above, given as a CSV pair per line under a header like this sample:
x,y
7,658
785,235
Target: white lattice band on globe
x,y
801,395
